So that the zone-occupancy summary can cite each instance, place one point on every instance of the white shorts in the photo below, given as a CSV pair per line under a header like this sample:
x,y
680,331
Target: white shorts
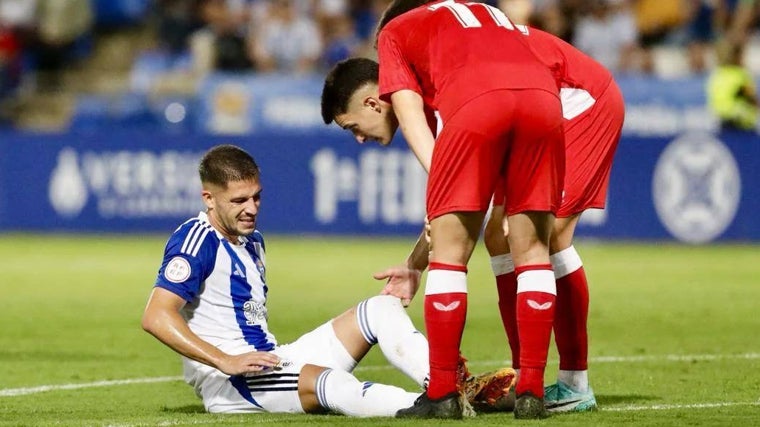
x,y
269,390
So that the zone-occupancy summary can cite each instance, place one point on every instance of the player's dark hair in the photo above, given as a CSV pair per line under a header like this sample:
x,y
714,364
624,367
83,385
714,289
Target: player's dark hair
x,y
226,163
345,78
396,8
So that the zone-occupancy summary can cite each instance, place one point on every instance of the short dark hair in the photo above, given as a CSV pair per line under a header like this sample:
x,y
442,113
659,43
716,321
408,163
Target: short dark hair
x,y
398,7
345,78
226,163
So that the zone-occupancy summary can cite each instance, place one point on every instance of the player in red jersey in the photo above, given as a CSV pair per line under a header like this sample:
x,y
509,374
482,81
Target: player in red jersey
x,y
593,110
501,116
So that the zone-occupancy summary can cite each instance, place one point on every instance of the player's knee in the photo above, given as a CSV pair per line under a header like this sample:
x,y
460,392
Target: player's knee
x,y
388,301
494,238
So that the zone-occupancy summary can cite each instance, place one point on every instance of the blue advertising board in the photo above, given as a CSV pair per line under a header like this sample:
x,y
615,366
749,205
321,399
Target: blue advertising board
x,y
694,187
240,104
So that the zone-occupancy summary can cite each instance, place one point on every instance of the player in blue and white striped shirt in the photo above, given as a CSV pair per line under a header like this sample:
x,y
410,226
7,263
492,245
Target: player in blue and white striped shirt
x,y
209,305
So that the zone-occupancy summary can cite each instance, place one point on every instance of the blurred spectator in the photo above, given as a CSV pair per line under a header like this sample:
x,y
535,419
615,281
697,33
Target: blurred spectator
x,y
10,61
340,40
518,11
702,30
559,17
338,31
655,20
222,43
731,93
284,40
18,21
608,34
742,14
177,20
366,15
60,24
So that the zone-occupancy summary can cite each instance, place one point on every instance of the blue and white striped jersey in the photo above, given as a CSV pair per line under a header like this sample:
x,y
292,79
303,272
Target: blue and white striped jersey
x,y
223,283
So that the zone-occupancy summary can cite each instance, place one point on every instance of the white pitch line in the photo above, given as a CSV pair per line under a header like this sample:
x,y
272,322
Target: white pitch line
x,y
43,388
9,392
665,407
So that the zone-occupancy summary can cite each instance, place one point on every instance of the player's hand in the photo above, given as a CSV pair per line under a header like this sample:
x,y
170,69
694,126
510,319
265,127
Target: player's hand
x,y
401,282
254,361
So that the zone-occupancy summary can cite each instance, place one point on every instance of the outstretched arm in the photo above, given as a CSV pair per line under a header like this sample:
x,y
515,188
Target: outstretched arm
x,y
163,320
403,281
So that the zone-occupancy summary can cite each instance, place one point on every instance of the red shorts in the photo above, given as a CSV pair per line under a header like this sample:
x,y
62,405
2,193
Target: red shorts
x,y
513,133
590,143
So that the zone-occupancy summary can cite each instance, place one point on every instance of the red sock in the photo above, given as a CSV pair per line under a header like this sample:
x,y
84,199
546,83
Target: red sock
x,y
445,315
535,316
506,285
570,321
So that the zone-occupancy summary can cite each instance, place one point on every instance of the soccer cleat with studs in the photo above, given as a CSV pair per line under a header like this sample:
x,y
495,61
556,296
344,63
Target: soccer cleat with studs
x,y
559,397
446,407
487,392
530,407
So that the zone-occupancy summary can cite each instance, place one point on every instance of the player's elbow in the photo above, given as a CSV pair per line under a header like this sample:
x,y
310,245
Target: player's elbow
x,y
150,322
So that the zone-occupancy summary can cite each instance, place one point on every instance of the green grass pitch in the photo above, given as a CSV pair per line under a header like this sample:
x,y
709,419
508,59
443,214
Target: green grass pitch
x,y
674,331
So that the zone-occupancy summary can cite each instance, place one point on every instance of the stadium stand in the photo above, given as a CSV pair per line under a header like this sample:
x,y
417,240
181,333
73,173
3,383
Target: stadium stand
x,y
143,63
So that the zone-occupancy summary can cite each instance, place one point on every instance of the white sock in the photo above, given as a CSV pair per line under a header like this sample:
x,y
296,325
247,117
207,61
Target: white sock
x,y
341,392
384,321
577,380
502,264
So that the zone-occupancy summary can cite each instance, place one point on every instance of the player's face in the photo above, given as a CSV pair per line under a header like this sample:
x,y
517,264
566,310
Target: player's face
x,y
233,210
368,119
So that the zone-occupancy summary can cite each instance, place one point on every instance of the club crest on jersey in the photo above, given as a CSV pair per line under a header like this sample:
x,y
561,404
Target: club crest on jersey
x,y
177,270
262,270
255,313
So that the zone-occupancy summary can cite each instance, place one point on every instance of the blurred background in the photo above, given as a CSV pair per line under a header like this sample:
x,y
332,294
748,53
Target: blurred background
x,y
106,106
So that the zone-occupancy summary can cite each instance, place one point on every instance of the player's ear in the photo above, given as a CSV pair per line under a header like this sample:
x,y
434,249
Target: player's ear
x,y
373,103
208,199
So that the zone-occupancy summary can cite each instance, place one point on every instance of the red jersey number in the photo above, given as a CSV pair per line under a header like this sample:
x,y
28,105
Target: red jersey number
x,y
467,19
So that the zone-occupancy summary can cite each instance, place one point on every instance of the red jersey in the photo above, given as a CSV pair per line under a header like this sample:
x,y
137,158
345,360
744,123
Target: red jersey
x,y
581,79
453,51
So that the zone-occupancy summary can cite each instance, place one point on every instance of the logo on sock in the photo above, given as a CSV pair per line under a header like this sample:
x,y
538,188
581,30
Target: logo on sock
x,y
451,307
536,306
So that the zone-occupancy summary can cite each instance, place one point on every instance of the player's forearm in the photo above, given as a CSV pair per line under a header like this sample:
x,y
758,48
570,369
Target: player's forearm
x,y
409,109
418,258
172,330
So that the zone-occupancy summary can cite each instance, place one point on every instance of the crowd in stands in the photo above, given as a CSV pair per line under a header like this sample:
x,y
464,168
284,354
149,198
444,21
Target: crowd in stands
x,y
305,36
310,35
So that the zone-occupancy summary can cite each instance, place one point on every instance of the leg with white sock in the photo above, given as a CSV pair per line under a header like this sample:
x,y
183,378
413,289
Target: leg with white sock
x,y
341,392
536,297
570,323
503,267
571,392
571,318
382,320
453,238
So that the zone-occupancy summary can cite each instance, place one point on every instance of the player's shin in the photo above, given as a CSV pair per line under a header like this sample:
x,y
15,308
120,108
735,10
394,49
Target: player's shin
x,y
570,322
341,392
536,297
384,321
445,315
506,286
